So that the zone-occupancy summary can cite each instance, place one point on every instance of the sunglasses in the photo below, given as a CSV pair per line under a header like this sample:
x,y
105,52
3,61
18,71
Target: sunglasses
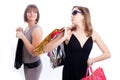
x,y
75,12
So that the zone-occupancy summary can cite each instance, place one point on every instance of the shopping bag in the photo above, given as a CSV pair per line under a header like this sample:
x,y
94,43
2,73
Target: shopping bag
x,y
18,54
98,74
40,48
52,35
57,56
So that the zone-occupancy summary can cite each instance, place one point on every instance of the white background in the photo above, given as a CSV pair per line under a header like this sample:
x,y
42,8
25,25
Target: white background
x,y
105,16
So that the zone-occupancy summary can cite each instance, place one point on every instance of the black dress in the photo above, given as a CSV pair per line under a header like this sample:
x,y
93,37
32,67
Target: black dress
x,y
76,58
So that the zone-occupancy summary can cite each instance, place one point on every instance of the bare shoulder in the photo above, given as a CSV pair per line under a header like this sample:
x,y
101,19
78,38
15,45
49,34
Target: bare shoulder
x,y
69,37
95,35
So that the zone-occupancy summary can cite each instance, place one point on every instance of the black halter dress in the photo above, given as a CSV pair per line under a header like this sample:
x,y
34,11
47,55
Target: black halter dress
x,y
76,58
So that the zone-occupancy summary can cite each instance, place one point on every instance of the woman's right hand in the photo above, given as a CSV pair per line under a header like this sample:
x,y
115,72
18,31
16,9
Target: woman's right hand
x,y
67,32
19,29
19,32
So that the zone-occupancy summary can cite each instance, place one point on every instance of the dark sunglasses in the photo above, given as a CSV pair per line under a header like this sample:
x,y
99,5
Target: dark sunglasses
x,y
75,12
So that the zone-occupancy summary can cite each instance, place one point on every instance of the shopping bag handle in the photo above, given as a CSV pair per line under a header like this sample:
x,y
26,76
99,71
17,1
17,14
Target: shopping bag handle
x,y
91,70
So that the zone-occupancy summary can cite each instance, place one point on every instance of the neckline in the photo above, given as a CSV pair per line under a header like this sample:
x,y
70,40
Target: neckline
x,y
82,46
29,28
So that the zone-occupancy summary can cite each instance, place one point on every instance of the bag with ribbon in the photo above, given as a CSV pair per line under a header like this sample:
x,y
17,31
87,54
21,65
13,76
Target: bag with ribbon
x,y
40,48
57,55
98,74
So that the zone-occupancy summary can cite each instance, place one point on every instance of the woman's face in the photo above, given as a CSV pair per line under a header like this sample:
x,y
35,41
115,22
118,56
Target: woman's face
x,y
31,15
77,16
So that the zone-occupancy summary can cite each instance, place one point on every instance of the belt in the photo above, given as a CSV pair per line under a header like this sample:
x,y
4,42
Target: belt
x,y
33,65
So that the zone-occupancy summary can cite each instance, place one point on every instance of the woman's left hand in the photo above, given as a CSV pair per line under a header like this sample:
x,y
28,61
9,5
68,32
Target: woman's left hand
x,y
90,62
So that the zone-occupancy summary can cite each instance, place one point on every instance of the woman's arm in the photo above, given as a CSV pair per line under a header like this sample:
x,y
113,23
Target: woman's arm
x,y
102,46
63,36
36,38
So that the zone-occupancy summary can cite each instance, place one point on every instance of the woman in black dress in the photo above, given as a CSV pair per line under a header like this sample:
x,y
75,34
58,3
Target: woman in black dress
x,y
78,45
